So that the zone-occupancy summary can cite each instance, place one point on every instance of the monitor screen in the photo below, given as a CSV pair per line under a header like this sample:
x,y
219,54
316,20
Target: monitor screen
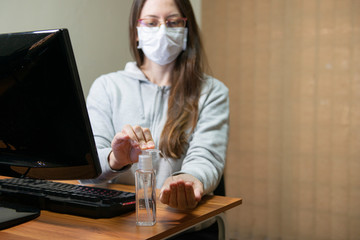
x,y
45,130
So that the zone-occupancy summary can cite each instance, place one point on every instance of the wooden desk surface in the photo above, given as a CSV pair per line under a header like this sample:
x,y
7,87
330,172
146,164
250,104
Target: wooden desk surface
x,y
52,225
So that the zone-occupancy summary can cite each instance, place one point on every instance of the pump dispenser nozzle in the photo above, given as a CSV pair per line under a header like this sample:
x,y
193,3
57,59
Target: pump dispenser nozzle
x,y
145,162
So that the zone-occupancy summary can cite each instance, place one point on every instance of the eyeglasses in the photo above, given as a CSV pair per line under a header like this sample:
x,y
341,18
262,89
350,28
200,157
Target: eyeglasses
x,y
170,23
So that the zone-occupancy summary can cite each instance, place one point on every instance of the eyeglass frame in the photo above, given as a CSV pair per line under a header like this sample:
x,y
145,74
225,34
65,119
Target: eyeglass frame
x,y
165,22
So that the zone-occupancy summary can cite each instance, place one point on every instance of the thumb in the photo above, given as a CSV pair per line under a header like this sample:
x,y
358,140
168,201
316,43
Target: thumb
x,y
198,192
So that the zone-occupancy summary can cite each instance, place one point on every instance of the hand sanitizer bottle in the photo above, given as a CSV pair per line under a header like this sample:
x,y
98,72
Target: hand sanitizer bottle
x,y
145,192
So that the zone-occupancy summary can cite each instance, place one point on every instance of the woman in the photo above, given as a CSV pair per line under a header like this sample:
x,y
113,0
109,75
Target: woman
x,y
165,101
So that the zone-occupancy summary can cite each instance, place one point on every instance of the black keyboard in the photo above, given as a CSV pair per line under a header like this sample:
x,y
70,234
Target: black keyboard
x,y
92,202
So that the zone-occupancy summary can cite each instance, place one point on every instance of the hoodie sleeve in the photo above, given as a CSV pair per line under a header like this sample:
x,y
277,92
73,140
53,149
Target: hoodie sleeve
x,y
205,158
99,109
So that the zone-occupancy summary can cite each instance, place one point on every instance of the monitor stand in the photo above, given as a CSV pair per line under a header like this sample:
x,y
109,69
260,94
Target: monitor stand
x,y
14,214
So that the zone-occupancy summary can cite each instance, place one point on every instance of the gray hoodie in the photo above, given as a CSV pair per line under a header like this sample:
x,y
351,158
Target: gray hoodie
x,y
128,97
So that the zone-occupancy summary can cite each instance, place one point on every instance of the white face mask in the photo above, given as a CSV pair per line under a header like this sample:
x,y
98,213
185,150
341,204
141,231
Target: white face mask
x,y
162,45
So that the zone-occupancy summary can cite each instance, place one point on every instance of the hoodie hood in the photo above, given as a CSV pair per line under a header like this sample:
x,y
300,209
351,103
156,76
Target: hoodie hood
x,y
133,71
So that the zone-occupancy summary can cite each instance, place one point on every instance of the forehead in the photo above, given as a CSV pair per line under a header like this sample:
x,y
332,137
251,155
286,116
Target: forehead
x,y
159,8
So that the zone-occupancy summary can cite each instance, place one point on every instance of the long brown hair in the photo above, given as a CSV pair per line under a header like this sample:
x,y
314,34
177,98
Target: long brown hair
x,y
186,81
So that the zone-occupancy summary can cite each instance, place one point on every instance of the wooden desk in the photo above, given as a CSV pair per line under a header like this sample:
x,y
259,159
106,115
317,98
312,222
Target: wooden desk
x,y
52,225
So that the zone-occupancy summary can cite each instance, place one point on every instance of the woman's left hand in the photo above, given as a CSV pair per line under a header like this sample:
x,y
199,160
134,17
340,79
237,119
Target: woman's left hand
x,y
182,191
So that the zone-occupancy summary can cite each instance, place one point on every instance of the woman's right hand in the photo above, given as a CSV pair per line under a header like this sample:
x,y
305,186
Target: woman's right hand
x,y
127,145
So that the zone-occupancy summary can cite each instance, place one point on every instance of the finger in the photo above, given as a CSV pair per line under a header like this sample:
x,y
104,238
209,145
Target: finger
x,y
164,196
121,146
134,153
173,195
123,139
198,191
119,137
181,195
140,136
190,196
148,138
198,195
128,130
122,142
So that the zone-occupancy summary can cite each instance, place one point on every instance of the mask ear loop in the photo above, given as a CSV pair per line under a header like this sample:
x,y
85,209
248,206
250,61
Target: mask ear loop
x,y
139,39
185,39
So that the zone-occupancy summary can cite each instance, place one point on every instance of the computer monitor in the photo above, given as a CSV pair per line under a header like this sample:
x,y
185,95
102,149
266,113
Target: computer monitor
x,y
45,132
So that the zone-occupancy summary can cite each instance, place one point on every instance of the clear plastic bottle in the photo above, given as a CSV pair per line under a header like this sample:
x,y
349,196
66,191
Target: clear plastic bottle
x,y
145,183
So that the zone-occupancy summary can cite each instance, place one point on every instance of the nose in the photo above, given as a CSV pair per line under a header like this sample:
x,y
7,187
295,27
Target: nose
x,y
162,23
162,27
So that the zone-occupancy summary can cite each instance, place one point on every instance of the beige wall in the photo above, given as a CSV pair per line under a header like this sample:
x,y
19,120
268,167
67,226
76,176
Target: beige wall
x,y
98,29
293,69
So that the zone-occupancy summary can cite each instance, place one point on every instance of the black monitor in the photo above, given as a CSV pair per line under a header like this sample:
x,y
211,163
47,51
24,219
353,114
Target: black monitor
x,y
45,131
